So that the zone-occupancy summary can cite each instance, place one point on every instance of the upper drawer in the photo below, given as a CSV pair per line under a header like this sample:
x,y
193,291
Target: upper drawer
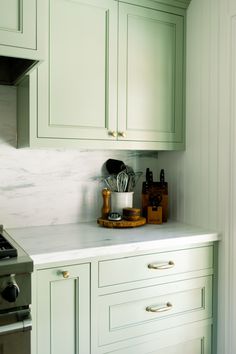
x,y
123,270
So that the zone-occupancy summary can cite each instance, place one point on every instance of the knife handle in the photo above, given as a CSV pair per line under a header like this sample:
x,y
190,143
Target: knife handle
x,y
150,177
147,175
162,176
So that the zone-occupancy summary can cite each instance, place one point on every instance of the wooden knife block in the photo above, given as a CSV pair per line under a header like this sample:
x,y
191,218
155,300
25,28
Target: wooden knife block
x,y
153,192
154,215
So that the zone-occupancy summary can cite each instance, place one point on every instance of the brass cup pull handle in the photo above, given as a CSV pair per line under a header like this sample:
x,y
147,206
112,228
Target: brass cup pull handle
x,y
65,274
168,306
113,133
122,134
161,266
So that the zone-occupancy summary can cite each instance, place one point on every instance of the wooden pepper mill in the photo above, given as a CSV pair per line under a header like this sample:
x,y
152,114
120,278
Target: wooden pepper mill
x,y
106,208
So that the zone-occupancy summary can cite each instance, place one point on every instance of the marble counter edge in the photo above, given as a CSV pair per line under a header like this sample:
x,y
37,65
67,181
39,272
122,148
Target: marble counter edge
x,y
99,251
84,241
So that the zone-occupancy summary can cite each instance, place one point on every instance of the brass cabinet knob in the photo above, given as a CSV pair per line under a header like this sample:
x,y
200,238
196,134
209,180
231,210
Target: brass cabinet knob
x,y
65,274
122,134
113,133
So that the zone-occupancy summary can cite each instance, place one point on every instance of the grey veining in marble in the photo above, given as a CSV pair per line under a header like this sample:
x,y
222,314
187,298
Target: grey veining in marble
x,y
56,243
53,186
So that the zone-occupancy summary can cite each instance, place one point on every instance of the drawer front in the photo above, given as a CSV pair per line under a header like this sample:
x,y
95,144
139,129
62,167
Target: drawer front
x,y
142,311
123,270
194,340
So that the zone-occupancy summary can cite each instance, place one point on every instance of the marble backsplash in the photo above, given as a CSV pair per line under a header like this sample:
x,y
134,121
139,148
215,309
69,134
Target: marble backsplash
x,y
53,186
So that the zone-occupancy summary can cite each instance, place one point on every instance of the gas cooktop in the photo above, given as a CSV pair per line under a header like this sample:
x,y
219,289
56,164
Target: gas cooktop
x,y
13,259
6,248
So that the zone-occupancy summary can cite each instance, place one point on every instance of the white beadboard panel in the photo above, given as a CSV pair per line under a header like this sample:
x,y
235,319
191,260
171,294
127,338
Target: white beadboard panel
x,y
224,306
202,179
232,242
227,176
192,175
53,186
229,67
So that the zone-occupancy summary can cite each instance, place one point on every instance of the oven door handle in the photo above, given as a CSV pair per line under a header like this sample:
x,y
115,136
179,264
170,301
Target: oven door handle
x,y
22,326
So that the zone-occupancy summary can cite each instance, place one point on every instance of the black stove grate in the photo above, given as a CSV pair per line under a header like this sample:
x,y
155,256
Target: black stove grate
x,y
6,249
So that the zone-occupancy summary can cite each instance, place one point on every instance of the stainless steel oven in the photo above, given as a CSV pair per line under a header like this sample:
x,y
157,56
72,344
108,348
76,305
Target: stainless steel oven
x,y
15,330
15,297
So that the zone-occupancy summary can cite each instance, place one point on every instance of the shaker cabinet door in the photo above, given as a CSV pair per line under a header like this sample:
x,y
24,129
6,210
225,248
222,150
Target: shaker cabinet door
x,y
77,82
151,55
18,23
63,310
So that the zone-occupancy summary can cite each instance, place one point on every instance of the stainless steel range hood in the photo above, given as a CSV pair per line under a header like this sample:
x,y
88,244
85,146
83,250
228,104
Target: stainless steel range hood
x,y
11,69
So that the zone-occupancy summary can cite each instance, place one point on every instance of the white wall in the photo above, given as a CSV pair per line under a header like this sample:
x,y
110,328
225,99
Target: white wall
x,y
227,94
193,173
53,186
202,179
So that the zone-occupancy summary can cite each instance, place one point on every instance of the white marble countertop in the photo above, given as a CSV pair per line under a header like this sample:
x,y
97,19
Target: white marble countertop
x,y
46,244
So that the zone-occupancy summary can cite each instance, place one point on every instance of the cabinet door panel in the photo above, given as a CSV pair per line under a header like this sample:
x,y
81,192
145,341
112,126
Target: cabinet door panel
x,y
81,71
150,74
63,308
63,311
18,23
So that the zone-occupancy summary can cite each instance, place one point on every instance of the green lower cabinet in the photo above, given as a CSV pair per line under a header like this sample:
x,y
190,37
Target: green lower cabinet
x,y
157,303
63,310
166,308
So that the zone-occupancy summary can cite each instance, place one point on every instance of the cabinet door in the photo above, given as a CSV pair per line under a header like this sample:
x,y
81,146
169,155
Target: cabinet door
x,y
63,310
77,82
18,23
150,98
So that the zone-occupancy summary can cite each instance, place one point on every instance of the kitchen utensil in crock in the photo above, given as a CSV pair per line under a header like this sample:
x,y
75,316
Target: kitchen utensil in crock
x,y
114,166
122,181
111,182
133,178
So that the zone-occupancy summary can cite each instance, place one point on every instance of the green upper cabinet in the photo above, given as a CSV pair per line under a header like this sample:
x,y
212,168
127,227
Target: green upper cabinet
x,y
113,77
79,98
21,25
150,99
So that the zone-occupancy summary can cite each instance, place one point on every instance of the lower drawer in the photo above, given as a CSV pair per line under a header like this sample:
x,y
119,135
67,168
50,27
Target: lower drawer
x,y
190,340
142,311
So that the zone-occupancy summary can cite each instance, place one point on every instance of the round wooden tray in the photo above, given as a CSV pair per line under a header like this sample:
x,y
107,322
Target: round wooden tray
x,y
122,223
